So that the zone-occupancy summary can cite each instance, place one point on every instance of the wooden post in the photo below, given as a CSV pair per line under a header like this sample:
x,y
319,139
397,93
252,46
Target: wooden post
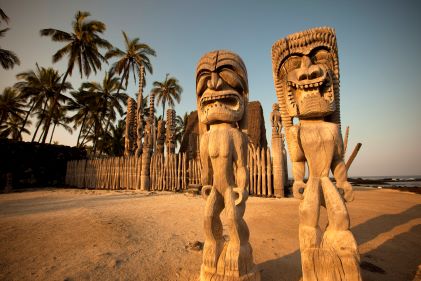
x,y
269,172
264,185
353,155
346,139
259,172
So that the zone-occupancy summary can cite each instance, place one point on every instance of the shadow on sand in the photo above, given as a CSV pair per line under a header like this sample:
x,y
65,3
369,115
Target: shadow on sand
x,y
377,264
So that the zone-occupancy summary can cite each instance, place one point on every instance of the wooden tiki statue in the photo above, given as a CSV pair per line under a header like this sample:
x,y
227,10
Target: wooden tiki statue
x,y
306,76
222,95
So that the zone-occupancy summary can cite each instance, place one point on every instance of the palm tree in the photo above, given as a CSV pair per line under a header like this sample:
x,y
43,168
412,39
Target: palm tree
x,y
82,48
39,87
180,127
110,101
167,91
11,105
135,59
112,142
8,59
13,128
60,119
110,92
83,105
3,16
11,111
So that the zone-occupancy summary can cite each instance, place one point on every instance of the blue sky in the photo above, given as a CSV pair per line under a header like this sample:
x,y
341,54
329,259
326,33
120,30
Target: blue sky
x,y
379,50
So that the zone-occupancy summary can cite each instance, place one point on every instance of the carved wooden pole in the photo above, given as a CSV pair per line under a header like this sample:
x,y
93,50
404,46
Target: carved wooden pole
x,y
170,134
223,108
353,155
269,173
263,163
160,139
306,74
147,148
278,159
130,133
346,139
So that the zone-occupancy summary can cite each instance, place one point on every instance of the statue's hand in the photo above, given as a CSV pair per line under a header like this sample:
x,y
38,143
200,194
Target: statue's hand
x,y
243,194
345,189
298,189
206,190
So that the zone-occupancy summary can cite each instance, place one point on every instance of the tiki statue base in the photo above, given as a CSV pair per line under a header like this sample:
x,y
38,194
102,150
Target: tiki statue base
x,y
246,270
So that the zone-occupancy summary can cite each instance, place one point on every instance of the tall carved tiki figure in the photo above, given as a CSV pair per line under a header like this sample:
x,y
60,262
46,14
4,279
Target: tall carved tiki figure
x,y
306,76
222,95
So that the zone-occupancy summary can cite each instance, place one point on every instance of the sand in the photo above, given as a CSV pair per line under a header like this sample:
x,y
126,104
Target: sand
x,y
70,234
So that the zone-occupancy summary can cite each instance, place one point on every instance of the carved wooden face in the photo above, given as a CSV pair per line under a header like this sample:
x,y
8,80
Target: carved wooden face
x,y
221,88
309,82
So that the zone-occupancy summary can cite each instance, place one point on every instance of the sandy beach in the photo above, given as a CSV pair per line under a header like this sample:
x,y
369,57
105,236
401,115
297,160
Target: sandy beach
x,y
74,234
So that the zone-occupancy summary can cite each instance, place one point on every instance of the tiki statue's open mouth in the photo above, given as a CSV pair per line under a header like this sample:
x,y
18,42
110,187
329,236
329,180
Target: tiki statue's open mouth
x,y
311,98
224,105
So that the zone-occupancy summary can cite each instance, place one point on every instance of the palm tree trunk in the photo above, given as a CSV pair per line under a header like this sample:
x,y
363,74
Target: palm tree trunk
x,y
52,133
53,105
3,118
81,128
141,85
121,80
42,133
26,118
40,121
87,133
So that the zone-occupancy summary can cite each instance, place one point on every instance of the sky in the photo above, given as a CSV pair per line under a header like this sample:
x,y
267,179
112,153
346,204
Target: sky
x,y
379,54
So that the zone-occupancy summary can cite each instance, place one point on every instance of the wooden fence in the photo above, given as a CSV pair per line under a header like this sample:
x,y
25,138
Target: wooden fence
x,y
107,173
260,171
169,173
173,173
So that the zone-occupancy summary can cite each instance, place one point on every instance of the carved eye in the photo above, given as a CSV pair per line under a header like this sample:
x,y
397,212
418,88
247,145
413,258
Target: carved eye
x,y
293,62
202,81
231,78
321,57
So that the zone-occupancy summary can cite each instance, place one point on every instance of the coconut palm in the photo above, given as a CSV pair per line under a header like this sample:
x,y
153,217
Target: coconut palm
x,y
81,102
167,91
113,100
12,128
3,16
60,119
11,105
112,141
110,101
8,59
82,48
134,59
39,87
180,127
12,110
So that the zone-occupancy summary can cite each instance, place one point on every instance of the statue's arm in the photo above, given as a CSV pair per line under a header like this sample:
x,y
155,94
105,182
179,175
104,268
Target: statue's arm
x,y
298,161
206,177
240,158
340,172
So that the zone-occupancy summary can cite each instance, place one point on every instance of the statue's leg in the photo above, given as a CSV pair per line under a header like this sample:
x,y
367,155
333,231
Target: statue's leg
x,y
337,237
237,253
309,231
214,241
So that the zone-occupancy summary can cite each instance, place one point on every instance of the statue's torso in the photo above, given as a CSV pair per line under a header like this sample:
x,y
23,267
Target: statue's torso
x,y
320,142
221,151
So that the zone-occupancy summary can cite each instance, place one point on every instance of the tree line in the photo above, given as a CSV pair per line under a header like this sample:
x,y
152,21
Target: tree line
x,y
97,109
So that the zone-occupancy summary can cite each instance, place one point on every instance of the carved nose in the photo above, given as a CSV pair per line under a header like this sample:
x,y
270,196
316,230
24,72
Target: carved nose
x,y
308,70
215,82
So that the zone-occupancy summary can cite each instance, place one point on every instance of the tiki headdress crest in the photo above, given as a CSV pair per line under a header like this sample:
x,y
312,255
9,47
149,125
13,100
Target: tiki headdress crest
x,y
306,75
222,88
